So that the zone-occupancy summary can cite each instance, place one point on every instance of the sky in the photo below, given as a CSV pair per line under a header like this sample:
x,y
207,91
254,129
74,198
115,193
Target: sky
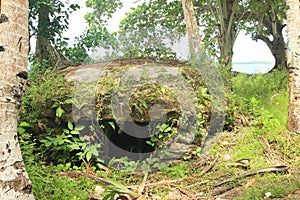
x,y
245,49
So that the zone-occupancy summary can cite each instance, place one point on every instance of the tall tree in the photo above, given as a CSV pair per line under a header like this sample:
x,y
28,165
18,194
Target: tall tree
x,y
221,22
48,21
14,181
265,20
293,22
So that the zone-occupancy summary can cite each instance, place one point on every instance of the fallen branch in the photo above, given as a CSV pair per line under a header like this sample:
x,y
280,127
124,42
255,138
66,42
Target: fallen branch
x,y
271,169
166,182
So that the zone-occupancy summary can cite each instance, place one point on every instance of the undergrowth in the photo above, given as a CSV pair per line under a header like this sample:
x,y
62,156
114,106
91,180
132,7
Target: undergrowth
x,y
261,99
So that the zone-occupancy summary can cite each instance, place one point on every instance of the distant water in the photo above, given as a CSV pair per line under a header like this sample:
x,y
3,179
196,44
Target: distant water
x,y
252,67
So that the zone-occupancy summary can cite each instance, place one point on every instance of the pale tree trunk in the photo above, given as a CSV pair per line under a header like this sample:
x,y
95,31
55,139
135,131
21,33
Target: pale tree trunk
x,y
192,27
293,56
210,74
14,181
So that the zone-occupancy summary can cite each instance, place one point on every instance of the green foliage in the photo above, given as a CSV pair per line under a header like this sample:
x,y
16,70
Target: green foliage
x,y
279,187
48,184
59,12
149,38
45,92
46,133
150,27
124,164
164,134
62,148
27,143
251,91
259,20
266,115
38,68
177,171
102,10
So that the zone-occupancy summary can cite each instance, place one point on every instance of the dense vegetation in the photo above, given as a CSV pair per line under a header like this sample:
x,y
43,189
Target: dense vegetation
x,y
258,132
255,156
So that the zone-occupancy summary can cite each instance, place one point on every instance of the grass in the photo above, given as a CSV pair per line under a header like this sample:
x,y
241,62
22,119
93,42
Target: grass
x,y
48,184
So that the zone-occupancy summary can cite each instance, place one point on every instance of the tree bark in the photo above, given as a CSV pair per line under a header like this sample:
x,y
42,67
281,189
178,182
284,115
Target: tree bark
x,y
277,45
14,181
192,27
44,50
293,56
41,51
227,30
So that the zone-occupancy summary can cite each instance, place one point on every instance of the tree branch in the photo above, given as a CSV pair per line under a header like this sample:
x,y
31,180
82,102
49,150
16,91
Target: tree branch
x,y
265,39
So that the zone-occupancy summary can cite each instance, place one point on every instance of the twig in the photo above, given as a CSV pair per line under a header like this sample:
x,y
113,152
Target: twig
x,y
197,184
271,169
209,167
222,191
142,185
96,178
187,193
272,97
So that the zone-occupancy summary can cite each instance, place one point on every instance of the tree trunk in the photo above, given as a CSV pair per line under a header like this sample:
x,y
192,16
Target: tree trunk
x,y
41,51
44,50
191,26
279,52
227,30
293,56
277,46
14,181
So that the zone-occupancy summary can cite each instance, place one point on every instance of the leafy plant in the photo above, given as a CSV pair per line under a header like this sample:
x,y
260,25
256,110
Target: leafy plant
x,y
68,147
59,107
165,132
26,142
123,164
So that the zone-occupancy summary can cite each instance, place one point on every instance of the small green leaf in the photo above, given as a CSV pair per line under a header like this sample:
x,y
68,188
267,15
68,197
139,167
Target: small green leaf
x,y
94,150
21,130
55,105
168,129
68,101
88,156
150,143
112,124
67,131
79,127
25,124
74,132
59,112
70,125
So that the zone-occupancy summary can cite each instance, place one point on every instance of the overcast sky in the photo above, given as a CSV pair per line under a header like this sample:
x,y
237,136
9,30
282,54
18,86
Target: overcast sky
x,y
245,49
